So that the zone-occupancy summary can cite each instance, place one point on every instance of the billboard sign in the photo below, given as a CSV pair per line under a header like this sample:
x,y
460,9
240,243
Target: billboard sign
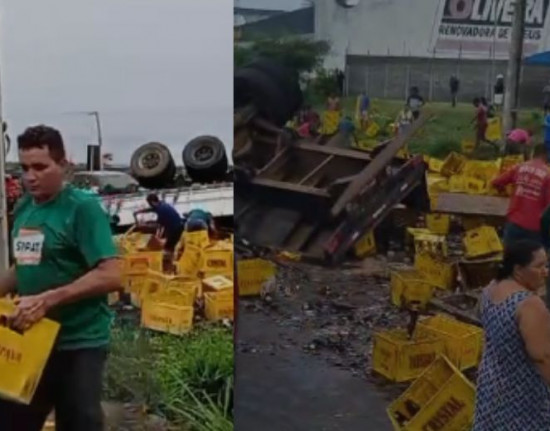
x,y
484,26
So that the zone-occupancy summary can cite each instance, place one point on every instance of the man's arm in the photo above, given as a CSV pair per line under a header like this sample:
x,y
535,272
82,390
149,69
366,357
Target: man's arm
x,y
508,177
8,282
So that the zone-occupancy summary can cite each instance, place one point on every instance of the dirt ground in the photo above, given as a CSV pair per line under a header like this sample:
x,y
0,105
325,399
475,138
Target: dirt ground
x,y
303,351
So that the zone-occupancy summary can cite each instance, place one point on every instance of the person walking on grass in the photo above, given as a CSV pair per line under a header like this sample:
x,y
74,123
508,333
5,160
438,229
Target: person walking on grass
x,y
513,383
530,198
66,263
415,102
454,85
480,121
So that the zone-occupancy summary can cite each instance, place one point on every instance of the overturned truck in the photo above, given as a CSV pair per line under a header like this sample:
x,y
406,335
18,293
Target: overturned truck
x,y
314,196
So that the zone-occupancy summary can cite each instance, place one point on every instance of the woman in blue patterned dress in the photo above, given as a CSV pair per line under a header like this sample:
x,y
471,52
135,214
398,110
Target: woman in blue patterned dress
x,y
514,375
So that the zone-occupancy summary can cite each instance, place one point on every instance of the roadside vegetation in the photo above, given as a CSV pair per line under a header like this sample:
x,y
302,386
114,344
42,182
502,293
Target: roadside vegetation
x,y
187,380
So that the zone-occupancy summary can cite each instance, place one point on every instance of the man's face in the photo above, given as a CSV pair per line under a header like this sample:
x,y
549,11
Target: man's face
x,y
42,175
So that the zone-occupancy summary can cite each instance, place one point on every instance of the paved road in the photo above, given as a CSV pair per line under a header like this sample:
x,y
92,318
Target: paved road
x,y
279,387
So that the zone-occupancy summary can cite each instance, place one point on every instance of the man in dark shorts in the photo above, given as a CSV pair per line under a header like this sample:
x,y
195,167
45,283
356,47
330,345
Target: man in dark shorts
x,y
65,265
167,218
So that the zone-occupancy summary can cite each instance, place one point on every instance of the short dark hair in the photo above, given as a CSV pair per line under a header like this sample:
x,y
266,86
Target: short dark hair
x,y
153,198
518,253
43,137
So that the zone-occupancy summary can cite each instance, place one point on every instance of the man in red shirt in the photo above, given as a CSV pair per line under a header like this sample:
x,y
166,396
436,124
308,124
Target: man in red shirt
x,y
530,198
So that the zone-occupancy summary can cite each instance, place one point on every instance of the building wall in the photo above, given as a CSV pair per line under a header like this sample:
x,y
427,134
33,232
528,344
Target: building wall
x,y
427,28
391,77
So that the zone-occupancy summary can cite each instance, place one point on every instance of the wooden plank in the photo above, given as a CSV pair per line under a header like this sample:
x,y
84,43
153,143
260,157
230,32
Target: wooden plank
x,y
333,151
377,165
296,188
316,170
460,203
459,314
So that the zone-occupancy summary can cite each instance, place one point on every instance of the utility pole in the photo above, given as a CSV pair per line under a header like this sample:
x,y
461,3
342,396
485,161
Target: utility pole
x,y
4,238
99,137
513,73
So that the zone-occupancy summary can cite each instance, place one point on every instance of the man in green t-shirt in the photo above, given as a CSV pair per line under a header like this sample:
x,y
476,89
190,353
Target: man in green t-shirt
x,y
65,265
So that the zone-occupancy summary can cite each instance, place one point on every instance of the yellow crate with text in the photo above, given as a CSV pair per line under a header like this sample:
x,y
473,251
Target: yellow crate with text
x,y
482,241
436,184
330,122
441,398
190,262
154,282
400,358
440,273
430,243
372,130
252,274
216,283
23,356
218,258
166,317
453,164
219,305
463,342
467,146
365,246
140,263
435,165
438,223
475,186
410,289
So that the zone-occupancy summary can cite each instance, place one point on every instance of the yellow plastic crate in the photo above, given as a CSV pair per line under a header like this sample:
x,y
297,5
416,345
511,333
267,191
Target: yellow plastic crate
x,y
174,297
330,122
435,165
430,243
190,261
409,288
217,283
365,246
197,238
509,162
140,263
185,283
24,356
475,186
467,146
453,164
165,317
438,223
463,342
482,169
217,259
457,184
438,272
440,399
252,274
219,305
482,241
401,359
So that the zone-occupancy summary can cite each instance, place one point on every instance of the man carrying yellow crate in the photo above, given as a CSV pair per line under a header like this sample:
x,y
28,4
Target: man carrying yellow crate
x,y
169,220
65,266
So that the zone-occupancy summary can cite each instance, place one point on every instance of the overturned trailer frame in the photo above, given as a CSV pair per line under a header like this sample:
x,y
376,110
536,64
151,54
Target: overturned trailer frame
x,y
316,196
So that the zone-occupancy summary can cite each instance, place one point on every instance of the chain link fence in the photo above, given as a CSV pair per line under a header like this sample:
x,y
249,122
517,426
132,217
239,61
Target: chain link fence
x,y
391,78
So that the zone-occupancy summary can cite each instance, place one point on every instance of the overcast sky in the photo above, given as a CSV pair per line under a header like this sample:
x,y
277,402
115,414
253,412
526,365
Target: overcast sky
x,y
154,69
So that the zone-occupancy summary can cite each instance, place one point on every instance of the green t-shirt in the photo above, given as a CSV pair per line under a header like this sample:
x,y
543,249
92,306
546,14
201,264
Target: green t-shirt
x,y
54,244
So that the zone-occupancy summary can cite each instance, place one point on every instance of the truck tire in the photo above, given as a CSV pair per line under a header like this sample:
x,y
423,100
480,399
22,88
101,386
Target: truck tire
x,y
285,78
253,86
205,159
152,165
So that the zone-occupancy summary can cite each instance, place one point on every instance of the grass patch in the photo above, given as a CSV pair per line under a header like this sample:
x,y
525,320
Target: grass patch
x,y
448,127
188,380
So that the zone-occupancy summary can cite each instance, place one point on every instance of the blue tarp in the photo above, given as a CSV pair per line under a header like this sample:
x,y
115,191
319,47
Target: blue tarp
x,y
540,58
